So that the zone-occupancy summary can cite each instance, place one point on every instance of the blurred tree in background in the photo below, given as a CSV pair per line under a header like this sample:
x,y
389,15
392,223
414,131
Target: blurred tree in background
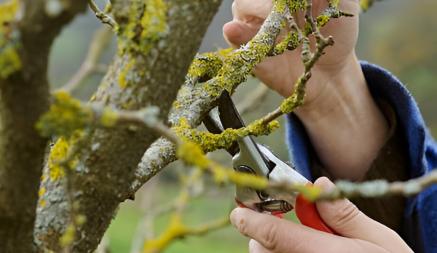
x,y
406,46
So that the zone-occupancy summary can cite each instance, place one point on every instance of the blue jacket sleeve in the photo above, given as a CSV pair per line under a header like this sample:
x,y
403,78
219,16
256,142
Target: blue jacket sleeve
x,y
421,212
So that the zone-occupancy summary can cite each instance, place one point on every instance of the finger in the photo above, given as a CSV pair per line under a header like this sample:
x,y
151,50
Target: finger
x,y
345,218
256,247
237,33
282,236
245,10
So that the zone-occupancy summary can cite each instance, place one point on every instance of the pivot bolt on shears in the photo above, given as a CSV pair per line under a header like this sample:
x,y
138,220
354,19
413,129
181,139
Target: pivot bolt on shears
x,y
253,158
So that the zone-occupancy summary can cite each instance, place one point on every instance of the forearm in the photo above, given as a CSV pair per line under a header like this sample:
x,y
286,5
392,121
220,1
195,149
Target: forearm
x,y
344,124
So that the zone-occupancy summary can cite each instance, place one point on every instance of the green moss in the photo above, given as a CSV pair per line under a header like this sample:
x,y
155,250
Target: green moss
x,y
210,142
65,116
10,61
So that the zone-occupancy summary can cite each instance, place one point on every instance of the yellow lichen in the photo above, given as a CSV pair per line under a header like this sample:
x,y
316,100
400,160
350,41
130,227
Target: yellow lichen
x,y
59,159
8,10
154,21
108,118
366,4
310,192
191,153
210,142
296,99
290,42
174,230
205,66
57,155
41,191
68,237
322,20
10,61
122,77
296,5
147,24
42,203
66,115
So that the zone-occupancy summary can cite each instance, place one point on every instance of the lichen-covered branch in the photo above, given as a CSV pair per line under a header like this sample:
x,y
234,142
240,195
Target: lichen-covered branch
x,y
381,188
139,76
177,230
27,31
194,101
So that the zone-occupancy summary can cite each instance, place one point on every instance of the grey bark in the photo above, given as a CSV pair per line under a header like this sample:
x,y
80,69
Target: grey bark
x,y
23,98
196,100
103,177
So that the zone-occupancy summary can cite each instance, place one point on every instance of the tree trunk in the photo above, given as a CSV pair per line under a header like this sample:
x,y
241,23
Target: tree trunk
x,y
136,79
24,94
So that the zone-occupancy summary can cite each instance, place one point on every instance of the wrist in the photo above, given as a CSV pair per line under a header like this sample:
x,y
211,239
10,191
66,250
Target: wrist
x,y
333,87
344,124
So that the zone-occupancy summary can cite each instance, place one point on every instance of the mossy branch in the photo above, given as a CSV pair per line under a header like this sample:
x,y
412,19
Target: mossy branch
x,y
195,100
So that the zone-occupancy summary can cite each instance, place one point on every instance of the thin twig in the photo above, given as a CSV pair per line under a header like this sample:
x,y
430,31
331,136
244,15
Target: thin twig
x,y
104,18
99,43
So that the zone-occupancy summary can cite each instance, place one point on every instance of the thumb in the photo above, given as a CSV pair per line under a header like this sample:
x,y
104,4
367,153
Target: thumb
x,y
237,33
347,220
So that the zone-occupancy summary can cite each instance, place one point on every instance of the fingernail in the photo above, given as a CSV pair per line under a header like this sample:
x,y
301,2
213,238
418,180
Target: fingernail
x,y
236,216
324,183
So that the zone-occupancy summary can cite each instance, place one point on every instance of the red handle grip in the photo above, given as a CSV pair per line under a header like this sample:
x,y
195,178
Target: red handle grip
x,y
308,215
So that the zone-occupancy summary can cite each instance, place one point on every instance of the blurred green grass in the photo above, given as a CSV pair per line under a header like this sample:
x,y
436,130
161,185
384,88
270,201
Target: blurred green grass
x,y
214,204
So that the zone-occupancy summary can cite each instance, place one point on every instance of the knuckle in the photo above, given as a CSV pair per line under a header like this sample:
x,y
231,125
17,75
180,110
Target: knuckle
x,y
270,237
243,227
345,214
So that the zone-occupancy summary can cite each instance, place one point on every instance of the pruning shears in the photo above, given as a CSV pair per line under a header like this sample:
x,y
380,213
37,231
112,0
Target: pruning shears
x,y
253,158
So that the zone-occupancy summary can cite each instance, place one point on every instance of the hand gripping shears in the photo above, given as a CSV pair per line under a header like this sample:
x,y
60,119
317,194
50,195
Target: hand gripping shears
x,y
250,157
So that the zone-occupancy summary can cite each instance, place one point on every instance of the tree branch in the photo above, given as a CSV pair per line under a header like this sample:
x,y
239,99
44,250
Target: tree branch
x,y
102,16
195,101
